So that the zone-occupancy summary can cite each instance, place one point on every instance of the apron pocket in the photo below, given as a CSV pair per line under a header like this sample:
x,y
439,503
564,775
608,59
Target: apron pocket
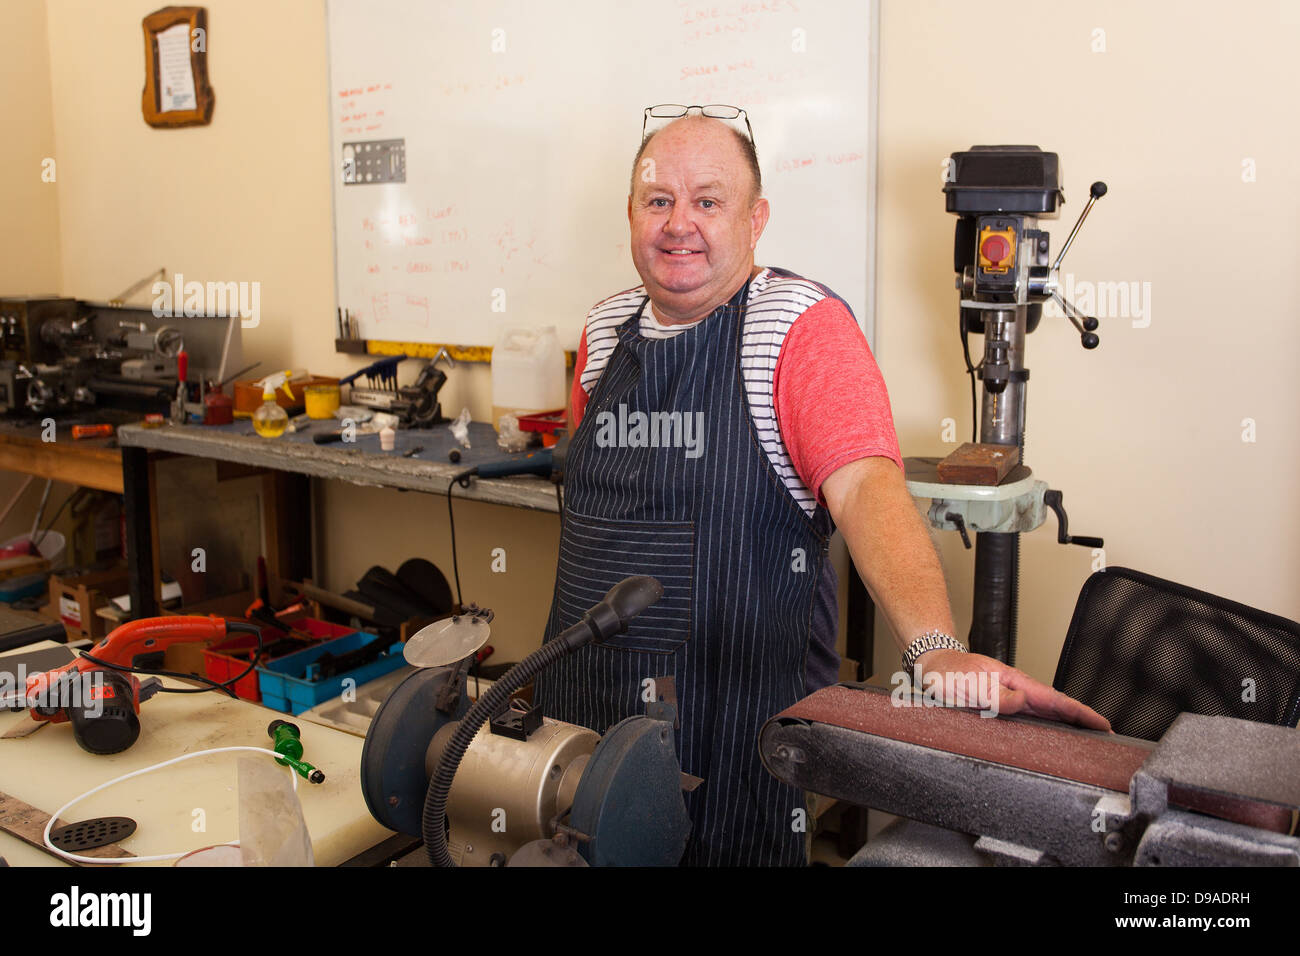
x,y
595,554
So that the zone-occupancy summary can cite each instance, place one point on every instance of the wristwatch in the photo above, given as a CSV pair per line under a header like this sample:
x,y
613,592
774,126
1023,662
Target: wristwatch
x,y
929,641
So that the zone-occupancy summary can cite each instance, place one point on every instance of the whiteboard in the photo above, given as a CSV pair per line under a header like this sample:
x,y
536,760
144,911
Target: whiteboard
x,y
519,122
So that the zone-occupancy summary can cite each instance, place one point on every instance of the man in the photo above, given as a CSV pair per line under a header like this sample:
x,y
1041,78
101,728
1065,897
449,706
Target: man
x,y
793,437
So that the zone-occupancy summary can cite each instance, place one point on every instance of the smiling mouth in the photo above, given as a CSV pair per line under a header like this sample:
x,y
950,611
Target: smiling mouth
x,y
680,253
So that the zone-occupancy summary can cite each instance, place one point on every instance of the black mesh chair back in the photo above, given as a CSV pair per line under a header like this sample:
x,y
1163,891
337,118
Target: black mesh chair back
x,y
1142,650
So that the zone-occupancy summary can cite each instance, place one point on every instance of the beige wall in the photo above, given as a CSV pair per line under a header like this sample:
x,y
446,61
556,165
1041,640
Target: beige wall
x,y
1143,435
29,206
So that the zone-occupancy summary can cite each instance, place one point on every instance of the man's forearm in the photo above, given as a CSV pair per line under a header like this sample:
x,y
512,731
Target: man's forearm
x,y
891,547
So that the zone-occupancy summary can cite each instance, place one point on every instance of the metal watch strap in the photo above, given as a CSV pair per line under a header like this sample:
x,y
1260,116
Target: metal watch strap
x,y
929,641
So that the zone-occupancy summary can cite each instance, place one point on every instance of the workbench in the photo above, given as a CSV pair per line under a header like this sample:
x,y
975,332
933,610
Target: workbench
x,y
295,458
47,769
90,462
298,459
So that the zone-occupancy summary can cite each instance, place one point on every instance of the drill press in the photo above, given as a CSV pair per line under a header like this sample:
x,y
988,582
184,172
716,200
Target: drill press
x,y
1004,275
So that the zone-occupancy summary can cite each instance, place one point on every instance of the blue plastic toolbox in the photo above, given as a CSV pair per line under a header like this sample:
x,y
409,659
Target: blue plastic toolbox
x,y
293,684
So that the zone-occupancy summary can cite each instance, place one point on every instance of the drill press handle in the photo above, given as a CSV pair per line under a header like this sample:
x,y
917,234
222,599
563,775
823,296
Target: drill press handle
x,y
1085,324
1052,499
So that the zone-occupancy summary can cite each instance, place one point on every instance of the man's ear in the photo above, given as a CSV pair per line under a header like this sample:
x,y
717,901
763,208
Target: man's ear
x,y
758,221
629,209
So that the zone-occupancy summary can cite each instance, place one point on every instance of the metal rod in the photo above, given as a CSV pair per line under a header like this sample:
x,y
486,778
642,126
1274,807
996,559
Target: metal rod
x,y
1068,309
1073,232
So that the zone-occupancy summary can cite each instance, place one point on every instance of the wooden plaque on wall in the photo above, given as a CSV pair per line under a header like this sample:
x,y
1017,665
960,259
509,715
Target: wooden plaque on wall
x,y
176,88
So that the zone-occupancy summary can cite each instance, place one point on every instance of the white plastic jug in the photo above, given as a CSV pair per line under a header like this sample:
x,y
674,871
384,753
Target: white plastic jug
x,y
527,372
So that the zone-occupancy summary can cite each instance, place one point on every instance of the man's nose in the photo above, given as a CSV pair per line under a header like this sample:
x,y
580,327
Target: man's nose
x,y
679,221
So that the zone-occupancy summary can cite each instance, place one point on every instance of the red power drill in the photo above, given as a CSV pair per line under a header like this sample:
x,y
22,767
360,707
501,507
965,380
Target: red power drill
x,y
98,694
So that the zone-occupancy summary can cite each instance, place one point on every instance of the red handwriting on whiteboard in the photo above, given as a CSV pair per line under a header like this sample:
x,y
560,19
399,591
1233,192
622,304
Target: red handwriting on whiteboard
x,y
690,71
419,304
379,306
800,162
363,90
699,13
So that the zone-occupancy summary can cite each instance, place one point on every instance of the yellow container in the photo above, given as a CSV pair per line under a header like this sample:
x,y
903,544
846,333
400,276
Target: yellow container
x,y
322,400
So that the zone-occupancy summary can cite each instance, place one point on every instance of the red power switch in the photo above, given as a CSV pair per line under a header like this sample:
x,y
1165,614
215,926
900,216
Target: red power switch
x,y
997,250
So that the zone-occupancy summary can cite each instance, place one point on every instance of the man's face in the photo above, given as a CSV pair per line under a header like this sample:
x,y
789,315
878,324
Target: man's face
x,y
695,223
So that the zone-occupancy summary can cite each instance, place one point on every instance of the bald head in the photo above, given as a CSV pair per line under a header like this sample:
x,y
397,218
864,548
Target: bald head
x,y
694,127
696,214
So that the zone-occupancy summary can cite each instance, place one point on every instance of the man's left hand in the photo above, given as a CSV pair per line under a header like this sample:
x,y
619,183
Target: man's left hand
x,y
1017,692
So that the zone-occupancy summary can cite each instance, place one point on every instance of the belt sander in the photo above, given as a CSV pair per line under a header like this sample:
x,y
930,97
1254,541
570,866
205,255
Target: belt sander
x,y
1019,790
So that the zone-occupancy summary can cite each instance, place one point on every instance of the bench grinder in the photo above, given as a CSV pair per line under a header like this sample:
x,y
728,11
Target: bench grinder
x,y
492,784
1004,275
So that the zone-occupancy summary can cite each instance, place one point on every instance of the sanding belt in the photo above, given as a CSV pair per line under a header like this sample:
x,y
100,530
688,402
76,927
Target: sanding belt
x,y
1057,750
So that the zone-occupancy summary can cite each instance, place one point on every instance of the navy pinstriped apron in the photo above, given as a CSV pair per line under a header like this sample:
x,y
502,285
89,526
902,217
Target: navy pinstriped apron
x,y
739,561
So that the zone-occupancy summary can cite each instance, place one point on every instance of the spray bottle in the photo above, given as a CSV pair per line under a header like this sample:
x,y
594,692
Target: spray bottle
x,y
270,420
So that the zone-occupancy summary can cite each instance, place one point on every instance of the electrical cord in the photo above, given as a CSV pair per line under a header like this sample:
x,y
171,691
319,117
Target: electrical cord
x,y
970,371
464,476
49,826
36,542
239,627
451,522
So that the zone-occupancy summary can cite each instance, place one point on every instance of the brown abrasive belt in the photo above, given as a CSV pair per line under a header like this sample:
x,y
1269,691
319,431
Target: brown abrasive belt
x,y
1057,750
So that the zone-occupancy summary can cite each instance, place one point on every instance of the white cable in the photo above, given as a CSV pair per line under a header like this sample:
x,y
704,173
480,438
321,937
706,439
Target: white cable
x,y
135,773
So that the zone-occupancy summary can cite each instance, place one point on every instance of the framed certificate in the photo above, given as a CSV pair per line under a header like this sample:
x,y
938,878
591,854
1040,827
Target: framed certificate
x,y
176,88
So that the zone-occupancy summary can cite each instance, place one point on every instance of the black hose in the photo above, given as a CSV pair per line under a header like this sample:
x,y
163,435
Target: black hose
x,y
434,821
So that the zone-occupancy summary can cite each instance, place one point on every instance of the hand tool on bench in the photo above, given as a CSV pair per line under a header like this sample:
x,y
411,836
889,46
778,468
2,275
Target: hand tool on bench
x,y
99,692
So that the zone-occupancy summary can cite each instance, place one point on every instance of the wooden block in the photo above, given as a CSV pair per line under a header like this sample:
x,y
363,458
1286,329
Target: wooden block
x,y
23,564
979,464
